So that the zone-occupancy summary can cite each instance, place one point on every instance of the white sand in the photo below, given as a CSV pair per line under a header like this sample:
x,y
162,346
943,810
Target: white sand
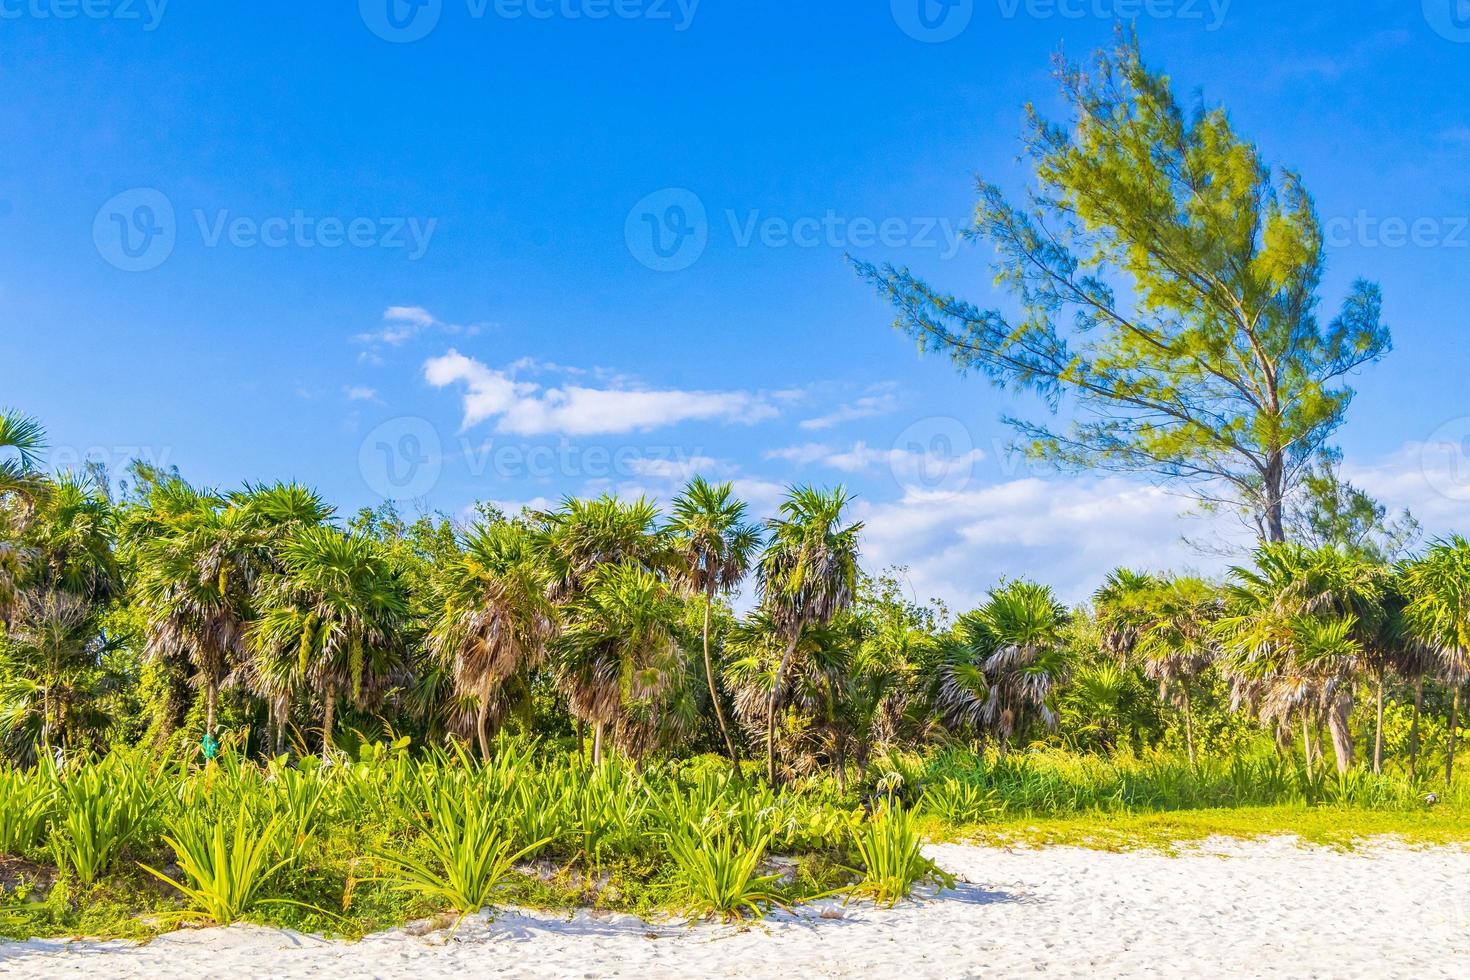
x,y
1231,909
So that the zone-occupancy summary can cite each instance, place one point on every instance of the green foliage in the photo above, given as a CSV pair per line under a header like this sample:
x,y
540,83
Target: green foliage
x,y
227,865
892,855
716,872
102,808
26,801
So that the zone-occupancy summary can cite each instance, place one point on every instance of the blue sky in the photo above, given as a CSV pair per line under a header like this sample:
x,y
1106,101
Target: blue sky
x,y
389,264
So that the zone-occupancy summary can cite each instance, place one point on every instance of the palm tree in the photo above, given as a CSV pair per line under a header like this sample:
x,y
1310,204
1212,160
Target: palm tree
x,y
1018,634
573,543
1438,612
1178,641
495,619
1295,635
808,575
195,581
619,648
714,545
20,484
334,618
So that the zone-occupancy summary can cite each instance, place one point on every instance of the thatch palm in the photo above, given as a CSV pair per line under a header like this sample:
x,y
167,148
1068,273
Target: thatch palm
x,y
573,543
808,575
195,580
21,442
618,647
1009,667
495,619
714,546
1295,636
1178,641
334,619
1438,613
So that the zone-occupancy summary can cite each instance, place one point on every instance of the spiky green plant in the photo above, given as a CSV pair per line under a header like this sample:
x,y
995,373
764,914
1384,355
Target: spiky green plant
x,y
891,852
227,868
716,873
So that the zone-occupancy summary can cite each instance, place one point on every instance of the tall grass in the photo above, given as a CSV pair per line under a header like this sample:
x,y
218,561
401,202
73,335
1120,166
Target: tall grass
x,y
891,852
102,808
26,800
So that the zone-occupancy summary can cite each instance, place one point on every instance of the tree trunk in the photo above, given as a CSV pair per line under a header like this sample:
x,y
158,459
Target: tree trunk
x,y
714,694
482,718
1378,730
1414,728
1188,727
596,743
1275,524
280,707
1342,735
1307,743
329,713
771,707
211,699
1449,758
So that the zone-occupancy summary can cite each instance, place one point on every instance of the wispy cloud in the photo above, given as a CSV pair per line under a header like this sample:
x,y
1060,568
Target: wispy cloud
x,y
401,324
529,408
866,407
361,393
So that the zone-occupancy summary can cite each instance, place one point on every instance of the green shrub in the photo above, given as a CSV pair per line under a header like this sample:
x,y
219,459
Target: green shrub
x,y
891,852
715,873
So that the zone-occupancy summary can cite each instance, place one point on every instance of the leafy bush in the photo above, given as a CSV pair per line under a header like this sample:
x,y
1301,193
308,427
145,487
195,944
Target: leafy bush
x,y
227,868
715,873
25,804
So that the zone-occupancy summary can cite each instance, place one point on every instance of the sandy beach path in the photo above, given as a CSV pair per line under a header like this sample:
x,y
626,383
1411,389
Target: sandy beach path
x,y
1260,909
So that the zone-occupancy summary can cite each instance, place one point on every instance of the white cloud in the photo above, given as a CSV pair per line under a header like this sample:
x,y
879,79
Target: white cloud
x,y
867,407
403,323
927,465
1066,533
1430,478
674,467
361,393
528,408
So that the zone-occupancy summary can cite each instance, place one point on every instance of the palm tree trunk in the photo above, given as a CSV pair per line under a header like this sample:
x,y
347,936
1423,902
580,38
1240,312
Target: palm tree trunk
x,y
771,708
714,695
581,740
1307,742
280,708
329,713
1188,726
482,718
1414,728
596,743
1378,729
1341,732
1449,759
211,699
